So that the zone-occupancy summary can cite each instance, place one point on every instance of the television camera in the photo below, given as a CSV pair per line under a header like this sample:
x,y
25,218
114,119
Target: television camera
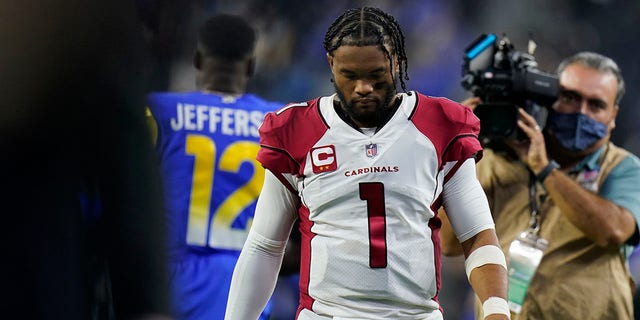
x,y
506,79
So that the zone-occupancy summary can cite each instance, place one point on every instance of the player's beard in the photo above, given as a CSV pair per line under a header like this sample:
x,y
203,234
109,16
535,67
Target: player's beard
x,y
375,118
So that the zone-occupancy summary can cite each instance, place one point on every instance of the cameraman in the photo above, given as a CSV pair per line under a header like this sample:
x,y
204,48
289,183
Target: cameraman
x,y
569,194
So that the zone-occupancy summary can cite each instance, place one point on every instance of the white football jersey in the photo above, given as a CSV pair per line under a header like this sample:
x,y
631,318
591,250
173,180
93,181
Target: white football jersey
x,y
370,245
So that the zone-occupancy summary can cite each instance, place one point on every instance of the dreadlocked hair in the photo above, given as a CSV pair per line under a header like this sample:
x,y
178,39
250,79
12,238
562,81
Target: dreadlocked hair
x,y
369,26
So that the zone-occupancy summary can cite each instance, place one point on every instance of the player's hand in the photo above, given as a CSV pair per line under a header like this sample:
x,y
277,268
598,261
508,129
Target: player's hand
x,y
472,102
532,151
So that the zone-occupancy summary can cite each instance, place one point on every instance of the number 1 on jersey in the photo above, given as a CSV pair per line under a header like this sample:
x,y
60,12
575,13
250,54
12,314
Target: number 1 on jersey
x,y
373,193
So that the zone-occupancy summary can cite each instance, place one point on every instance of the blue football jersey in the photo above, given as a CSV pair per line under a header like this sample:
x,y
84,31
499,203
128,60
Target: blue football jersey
x,y
207,146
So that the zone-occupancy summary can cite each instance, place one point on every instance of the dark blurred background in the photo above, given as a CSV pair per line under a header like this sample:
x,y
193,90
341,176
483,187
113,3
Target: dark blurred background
x,y
292,64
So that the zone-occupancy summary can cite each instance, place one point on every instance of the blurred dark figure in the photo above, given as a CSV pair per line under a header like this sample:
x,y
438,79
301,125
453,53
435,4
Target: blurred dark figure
x,y
82,234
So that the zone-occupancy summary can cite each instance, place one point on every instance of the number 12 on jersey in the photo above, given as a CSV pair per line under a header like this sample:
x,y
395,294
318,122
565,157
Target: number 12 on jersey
x,y
221,233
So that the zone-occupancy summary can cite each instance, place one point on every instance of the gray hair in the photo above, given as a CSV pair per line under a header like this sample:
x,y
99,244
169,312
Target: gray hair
x,y
597,62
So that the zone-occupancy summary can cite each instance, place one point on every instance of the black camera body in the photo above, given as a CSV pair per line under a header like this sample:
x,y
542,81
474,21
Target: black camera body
x,y
505,80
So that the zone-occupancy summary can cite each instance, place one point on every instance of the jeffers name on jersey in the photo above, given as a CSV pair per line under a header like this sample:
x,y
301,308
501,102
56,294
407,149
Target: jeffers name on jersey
x,y
227,121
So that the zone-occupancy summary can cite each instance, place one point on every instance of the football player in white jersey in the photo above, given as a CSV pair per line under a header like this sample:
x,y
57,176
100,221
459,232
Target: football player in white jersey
x,y
365,171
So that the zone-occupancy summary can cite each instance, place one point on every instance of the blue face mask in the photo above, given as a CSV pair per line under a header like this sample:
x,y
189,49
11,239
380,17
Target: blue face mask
x,y
576,131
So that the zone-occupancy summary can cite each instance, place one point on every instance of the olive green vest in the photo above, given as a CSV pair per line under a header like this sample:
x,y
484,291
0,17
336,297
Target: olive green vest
x,y
576,278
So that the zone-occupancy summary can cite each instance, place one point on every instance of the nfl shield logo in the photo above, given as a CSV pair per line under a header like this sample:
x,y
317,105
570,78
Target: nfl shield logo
x,y
372,150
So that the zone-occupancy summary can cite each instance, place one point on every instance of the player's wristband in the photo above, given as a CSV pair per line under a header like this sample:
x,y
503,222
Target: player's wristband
x,y
487,254
547,170
495,305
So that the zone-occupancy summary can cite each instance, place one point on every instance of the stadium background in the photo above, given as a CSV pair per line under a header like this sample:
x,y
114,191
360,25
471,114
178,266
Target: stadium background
x,y
292,64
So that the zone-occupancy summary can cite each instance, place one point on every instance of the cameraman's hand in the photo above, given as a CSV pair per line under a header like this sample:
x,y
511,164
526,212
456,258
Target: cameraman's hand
x,y
533,151
472,102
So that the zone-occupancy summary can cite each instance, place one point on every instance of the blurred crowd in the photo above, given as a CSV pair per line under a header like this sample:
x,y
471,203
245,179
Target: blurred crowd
x,y
292,63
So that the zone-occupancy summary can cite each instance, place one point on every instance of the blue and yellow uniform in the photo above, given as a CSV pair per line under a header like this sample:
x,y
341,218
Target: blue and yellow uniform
x,y
206,145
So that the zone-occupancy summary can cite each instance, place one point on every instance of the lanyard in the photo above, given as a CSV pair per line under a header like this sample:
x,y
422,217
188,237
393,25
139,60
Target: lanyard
x,y
536,219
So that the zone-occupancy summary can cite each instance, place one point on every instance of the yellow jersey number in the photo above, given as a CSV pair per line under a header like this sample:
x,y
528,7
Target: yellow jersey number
x,y
221,234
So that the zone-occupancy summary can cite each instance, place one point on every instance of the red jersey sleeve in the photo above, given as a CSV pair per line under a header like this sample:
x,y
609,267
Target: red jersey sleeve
x,y
287,135
452,127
